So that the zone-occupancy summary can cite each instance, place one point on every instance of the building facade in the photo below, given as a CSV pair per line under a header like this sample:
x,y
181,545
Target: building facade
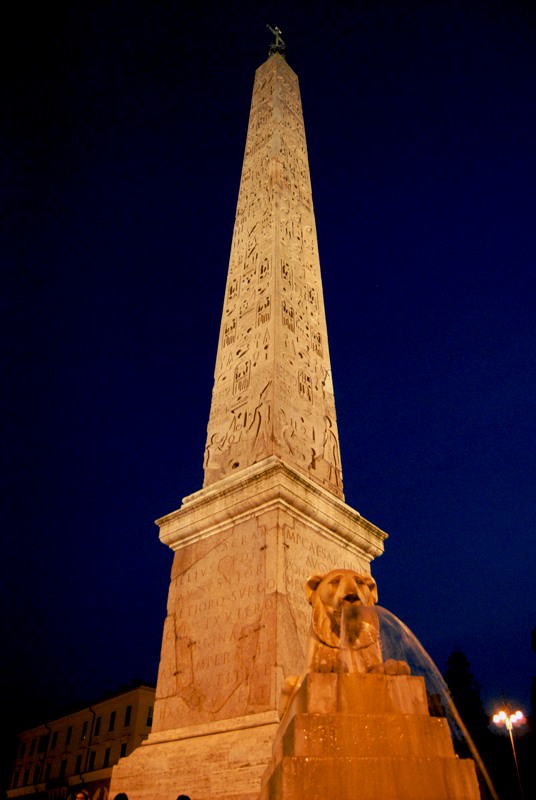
x,y
78,750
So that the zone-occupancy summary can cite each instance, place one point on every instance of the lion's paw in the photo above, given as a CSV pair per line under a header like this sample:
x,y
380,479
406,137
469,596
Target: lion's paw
x,y
290,686
394,667
391,667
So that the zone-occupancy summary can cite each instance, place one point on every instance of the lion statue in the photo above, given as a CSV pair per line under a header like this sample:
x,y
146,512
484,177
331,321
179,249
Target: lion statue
x,y
345,630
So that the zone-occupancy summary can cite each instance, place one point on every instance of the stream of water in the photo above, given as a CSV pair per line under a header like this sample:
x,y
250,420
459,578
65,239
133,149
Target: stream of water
x,y
398,642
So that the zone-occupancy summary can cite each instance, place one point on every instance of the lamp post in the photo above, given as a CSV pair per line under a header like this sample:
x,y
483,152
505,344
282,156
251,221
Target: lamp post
x,y
510,719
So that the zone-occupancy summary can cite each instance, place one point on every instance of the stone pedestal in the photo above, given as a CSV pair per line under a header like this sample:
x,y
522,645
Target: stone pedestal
x,y
368,737
237,625
222,760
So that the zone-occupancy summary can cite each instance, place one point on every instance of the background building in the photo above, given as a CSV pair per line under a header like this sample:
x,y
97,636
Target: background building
x,y
80,749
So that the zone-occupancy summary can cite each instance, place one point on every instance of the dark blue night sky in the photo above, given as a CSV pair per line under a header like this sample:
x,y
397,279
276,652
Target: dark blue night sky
x,y
124,131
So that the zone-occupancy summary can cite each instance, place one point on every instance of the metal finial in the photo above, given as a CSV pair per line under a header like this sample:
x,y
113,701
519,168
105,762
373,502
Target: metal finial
x,y
279,45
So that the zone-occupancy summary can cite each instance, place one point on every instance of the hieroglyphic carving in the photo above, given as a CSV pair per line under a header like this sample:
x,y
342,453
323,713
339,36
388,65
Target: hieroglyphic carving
x,y
316,342
305,388
229,332
274,284
242,376
287,317
263,310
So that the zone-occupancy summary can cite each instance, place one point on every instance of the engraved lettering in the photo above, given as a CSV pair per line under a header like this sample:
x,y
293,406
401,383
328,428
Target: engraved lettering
x,y
241,378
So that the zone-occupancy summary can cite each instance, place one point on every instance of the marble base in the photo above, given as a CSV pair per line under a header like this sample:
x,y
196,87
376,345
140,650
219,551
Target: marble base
x,y
365,736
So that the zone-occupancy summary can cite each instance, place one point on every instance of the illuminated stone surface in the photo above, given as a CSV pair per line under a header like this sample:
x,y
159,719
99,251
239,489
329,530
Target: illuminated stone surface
x,y
273,393
271,511
368,737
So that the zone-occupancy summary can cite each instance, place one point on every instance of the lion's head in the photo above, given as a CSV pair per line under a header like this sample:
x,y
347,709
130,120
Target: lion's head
x,y
342,601
345,625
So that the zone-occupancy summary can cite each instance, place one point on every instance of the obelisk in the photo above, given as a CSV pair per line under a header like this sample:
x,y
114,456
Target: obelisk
x,y
273,392
271,510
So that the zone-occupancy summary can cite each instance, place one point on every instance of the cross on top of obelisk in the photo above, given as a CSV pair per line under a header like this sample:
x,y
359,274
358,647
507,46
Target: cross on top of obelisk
x,y
279,45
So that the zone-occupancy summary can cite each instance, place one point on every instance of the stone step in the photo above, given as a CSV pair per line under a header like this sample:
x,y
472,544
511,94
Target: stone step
x,y
327,693
364,735
387,778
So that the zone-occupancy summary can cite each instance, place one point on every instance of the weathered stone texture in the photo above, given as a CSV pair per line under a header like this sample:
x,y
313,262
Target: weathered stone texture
x,y
273,392
366,736
237,625
200,761
238,617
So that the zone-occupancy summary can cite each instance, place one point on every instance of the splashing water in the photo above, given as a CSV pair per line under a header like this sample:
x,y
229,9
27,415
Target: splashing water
x,y
398,642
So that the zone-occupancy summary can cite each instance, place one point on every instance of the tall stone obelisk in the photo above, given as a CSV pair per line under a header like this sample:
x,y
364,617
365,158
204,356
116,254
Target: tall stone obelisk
x,y
273,393
271,510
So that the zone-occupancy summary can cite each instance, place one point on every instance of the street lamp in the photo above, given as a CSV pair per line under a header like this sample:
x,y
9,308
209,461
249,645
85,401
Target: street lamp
x,y
511,719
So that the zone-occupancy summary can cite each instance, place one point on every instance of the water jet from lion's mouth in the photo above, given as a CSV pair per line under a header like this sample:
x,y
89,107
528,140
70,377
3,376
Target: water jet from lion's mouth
x,y
346,656
398,642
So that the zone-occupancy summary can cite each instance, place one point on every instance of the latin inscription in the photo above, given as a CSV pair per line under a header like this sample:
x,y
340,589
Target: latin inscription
x,y
218,628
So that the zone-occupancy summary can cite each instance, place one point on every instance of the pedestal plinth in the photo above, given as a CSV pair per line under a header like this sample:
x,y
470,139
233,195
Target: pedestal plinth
x,y
368,737
237,625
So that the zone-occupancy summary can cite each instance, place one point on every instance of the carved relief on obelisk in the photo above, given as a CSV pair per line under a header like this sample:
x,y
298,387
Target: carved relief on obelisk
x,y
273,393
